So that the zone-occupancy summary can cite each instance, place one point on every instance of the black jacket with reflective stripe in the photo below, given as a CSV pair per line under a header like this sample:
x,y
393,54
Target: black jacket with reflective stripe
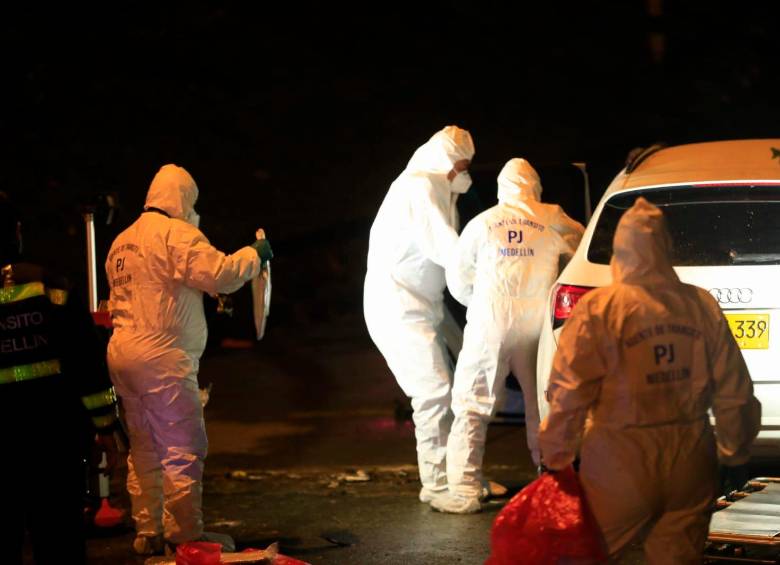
x,y
47,335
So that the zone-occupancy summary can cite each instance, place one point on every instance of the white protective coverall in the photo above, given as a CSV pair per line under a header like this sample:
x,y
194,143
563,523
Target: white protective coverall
x,y
507,259
642,360
412,239
158,270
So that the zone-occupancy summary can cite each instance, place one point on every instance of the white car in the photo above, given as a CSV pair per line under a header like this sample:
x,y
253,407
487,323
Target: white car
x,y
722,204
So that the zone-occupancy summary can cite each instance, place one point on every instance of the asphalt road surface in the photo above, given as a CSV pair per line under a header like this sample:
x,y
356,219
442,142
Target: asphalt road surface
x,y
309,447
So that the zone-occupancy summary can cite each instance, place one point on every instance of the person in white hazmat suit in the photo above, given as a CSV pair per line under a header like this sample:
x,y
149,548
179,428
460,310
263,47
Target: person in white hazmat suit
x,y
638,365
158,270
412,239
508,257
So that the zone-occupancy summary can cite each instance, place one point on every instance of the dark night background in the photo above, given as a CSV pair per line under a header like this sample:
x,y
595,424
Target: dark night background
x,y
297,118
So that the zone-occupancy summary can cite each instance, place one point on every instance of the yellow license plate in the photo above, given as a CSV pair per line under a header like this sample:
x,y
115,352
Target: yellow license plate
x,y
750,330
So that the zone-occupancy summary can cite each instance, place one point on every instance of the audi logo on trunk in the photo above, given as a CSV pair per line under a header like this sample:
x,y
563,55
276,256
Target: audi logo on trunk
x,y
732,295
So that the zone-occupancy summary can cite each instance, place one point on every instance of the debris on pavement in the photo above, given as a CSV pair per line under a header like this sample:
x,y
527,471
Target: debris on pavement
x,y
320,479
268,556
350,476
359,476
242,475
226,524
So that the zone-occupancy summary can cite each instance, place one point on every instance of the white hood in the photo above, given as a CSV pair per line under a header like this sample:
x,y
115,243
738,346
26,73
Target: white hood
x,y
174,192
442,151
518,181
642,247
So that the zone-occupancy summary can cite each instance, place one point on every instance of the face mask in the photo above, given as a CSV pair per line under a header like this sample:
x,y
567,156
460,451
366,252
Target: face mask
x,y
194,219
461,182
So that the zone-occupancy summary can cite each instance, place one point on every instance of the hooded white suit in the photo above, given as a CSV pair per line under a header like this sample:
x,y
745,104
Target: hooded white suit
x,y
507,259
642,360
412,238
158,270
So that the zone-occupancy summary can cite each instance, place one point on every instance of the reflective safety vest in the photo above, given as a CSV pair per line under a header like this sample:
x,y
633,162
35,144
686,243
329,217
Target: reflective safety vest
x,y
29,348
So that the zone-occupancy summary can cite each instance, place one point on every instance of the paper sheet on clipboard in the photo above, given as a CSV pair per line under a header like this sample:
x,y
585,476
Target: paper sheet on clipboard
x,y
261,299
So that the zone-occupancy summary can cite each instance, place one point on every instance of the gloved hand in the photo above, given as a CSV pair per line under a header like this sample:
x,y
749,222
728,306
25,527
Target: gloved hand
x,y
263,248
733,478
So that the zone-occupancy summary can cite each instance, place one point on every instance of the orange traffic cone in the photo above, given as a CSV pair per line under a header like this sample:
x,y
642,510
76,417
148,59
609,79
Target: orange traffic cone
x,y
107,516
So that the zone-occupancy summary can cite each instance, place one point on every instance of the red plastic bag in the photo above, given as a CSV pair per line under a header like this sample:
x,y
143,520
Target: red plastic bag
x,y
547,523
198,553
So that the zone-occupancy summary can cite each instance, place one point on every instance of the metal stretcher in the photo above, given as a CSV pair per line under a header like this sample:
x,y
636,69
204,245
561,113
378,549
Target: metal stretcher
x,y
745,528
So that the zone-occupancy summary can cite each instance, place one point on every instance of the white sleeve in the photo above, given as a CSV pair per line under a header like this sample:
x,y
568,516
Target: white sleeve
x,y
462,268
434,233
200,265
570,231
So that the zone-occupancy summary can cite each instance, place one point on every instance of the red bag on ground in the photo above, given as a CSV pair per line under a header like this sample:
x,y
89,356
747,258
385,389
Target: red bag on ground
x,y
547,523
198,553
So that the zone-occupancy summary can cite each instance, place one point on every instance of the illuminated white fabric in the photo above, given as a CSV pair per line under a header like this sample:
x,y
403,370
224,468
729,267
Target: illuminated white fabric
x,y
507,259
158,270
412,238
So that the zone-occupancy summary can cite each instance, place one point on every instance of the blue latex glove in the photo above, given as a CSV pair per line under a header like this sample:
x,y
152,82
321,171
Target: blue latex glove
x,y
263,248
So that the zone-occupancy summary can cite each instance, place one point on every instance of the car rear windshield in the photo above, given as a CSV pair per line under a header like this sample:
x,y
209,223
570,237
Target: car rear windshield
x,y
710,225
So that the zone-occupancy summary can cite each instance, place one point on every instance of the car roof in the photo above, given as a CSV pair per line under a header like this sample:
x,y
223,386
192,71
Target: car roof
x,y
715,161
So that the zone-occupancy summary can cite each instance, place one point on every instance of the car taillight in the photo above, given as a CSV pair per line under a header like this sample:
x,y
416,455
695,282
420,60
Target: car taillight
x,y
565,297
